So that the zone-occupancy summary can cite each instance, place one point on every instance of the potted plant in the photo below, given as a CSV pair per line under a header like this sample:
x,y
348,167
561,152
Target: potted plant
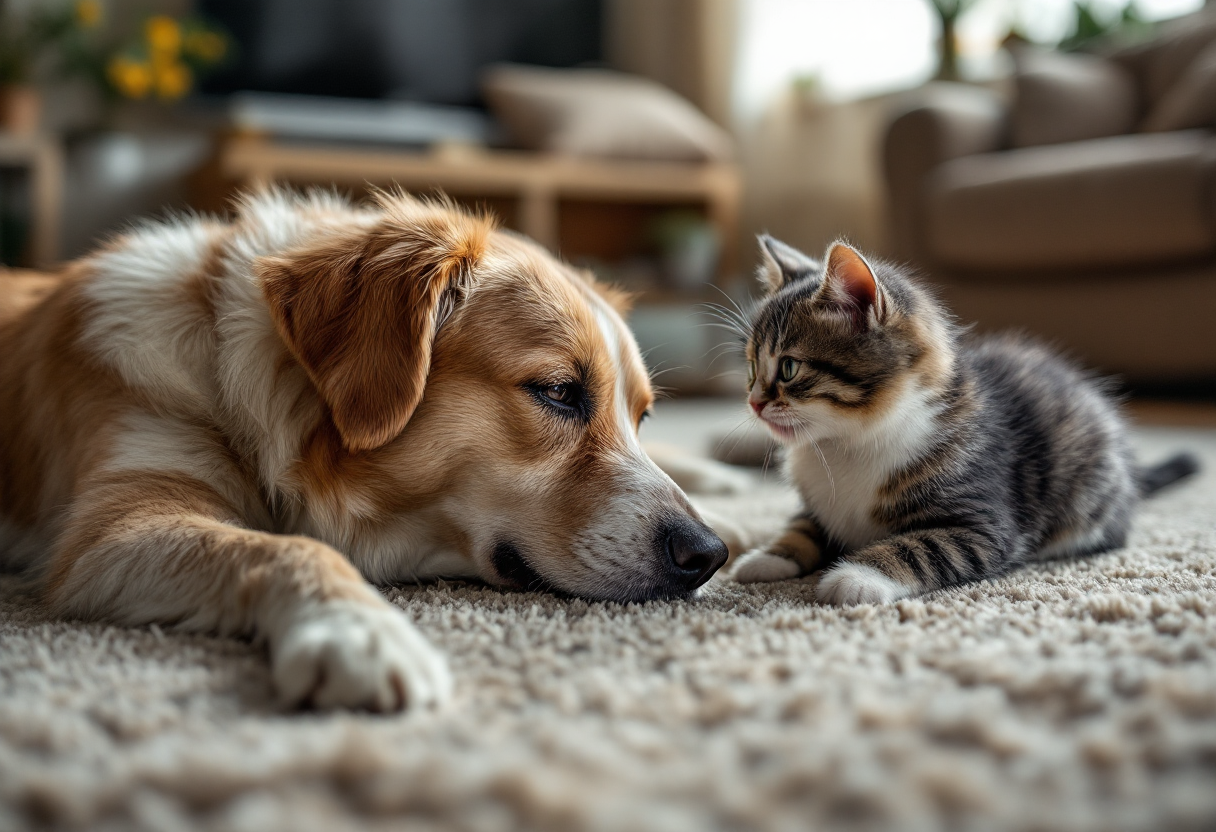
x,y
948,13
160,60
26,43
163,59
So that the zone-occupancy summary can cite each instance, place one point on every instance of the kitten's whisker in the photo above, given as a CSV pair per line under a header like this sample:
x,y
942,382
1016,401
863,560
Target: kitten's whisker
x,y
768,455
719,351
725,316
723,323
731,432
657,373
742,336
739,310
722,374
733,314
805,431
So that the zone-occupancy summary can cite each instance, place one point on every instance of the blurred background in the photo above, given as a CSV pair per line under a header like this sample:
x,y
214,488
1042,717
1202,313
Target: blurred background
x,y
1050,164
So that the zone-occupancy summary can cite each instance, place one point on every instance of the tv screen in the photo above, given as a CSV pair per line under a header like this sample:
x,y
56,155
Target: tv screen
x,y
427,51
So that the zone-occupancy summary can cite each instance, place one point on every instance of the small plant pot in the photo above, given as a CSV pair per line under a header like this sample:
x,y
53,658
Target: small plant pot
x,y
20,109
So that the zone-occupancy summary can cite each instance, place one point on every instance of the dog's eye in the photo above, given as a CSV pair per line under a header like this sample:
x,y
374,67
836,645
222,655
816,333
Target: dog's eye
x,y
565,394
787,369
568,398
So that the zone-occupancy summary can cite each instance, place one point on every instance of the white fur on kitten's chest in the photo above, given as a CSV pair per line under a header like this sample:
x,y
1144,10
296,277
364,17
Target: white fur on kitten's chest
x,y
839,491
839,481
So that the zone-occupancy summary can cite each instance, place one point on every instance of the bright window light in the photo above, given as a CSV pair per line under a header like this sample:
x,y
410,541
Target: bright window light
x,y
852,48
856,48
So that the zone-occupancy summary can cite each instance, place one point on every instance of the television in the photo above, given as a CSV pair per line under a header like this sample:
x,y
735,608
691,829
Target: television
x,y
322,63
429,51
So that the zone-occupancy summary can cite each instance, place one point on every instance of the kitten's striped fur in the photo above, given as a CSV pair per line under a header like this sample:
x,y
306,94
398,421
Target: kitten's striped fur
x,y
925,459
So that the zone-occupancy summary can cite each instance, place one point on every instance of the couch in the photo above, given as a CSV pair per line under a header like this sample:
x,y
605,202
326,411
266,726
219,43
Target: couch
x,y
1081,207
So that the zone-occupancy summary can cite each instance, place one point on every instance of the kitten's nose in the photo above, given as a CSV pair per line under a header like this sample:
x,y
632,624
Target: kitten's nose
x,y
757,405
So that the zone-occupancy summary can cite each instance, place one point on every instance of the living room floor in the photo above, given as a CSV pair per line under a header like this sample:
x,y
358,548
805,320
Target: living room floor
x,y
1074,695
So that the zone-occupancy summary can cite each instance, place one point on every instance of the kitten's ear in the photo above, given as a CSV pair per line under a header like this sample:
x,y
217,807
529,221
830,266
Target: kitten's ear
x,y
781,265
849,283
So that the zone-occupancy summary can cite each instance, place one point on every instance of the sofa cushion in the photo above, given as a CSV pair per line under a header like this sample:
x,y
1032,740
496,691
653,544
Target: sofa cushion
x,y
1062,97
1107,202
1191,101
594,112
1159,63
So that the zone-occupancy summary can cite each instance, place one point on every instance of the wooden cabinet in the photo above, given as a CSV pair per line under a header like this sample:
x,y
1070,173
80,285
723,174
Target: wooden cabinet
x,y
42,157
583,209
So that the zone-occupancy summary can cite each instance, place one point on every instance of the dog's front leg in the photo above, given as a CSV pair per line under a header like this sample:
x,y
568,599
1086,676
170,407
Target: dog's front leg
x,y
152,547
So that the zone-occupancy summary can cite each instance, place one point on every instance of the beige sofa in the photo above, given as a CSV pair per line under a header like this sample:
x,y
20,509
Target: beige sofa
x,y
1081,208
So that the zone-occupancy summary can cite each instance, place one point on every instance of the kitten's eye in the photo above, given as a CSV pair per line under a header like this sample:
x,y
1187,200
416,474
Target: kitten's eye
x,y
751,373
787,369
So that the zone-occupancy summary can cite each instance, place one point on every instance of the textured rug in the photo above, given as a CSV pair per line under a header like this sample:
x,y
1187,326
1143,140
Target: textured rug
x,y
1072,696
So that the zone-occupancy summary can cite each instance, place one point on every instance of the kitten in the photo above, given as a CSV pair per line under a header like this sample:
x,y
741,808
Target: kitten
x,y
924,459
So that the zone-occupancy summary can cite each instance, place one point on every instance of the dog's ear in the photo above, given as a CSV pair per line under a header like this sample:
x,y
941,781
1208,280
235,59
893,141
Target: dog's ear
x,y
360,312
621,300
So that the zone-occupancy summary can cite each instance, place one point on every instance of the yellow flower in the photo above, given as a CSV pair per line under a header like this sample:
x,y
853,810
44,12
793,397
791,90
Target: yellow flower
x,y
164,35
208,47
130,77
88,13
173,81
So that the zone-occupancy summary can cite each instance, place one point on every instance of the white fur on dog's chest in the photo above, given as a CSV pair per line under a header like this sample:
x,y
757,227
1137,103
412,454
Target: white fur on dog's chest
x,y
840,494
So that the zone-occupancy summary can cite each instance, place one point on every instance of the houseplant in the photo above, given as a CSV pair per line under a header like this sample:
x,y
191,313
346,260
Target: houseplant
x,y
159,58
29,42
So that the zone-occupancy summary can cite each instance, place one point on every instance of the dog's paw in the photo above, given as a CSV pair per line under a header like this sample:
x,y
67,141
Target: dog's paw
x,y
850,584
759,566
348,654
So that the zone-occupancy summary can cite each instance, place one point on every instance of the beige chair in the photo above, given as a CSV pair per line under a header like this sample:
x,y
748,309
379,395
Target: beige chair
x,y
1082,208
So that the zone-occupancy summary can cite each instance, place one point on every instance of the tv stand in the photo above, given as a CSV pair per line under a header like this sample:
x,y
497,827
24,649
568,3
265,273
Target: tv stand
x,y
579,207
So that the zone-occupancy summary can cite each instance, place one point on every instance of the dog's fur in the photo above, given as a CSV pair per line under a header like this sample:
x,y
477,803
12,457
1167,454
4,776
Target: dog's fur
x,y
233,427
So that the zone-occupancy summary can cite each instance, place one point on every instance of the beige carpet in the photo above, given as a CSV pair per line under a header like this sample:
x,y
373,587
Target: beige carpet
x,y
1076,696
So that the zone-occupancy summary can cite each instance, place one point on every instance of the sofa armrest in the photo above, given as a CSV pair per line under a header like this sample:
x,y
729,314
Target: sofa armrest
x,y
940,122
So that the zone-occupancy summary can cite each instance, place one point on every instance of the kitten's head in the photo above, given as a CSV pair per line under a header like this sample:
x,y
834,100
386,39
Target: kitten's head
x,y
842,346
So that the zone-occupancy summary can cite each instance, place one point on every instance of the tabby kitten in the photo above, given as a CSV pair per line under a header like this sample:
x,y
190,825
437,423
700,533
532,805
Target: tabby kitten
x,y
924,459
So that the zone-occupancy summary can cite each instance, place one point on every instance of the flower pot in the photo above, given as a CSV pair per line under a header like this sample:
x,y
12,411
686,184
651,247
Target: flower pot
x,y
20,109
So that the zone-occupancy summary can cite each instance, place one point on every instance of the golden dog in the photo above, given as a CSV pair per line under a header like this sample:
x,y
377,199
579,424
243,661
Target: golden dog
x,y
235,427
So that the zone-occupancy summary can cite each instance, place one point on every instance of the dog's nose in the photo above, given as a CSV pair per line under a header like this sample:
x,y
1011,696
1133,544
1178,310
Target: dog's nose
x,y
695,552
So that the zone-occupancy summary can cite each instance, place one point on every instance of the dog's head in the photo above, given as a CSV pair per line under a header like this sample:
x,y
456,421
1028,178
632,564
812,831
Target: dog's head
x,y
483,402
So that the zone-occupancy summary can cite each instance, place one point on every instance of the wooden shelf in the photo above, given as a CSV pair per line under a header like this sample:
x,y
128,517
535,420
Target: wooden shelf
x,y
43,156
537,182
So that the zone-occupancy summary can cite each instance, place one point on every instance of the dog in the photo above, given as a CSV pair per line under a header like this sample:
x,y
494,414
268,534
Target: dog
x,y
239,427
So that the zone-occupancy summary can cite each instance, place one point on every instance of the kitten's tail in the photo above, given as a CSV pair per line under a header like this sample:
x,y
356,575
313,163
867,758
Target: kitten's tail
x,y
1152,479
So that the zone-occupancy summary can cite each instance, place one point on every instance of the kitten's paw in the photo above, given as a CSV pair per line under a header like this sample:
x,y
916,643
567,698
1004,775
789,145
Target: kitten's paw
x,y
850,584
348,654
759,566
